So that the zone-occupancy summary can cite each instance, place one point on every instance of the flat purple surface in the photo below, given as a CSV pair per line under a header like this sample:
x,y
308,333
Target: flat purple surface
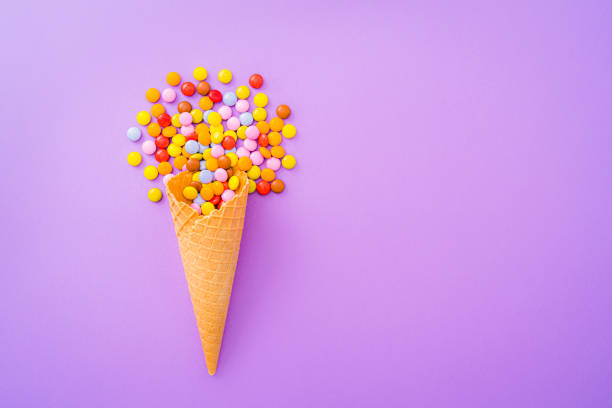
x,y
445,240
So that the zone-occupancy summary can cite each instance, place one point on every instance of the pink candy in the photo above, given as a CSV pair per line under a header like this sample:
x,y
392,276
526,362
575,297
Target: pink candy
x,y
227,195
185,118
242,106
168,95
256,158
273,163
148,147
250,144
217,151
252,132
225,112
242,152
187,130
233,123
197,208
220,175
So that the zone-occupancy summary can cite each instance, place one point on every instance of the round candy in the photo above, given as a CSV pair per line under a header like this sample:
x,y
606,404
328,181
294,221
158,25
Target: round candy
x,y
154,194
275,138
225,76
288,161
233,182
246,118
187,130
157,110
283,111
203,88
244,163
196,207
192,147
164,120
143,118
161,155
169,131
148,147
220,175
233,123
197,115
205,177
200,73
214,118
256,158
225,112
164,168
277,151
153,129
206,192
151,172
193,164
265,152
190,192
173,79
168,95
268,174
242,106
212,164
252,132
277,186
276,124
233,159
260,114
263,187
207,208
173,150
228,143
243,92
152,95
250,145
273,163
185,118
224,162
263,140
289,131
179,162
188,88
217,151
205,104
241,132
256,81
184,106
229,98
162,142
134,134
218,187
175,120
227,195
134,158
215,95
260,100
231,133
242,152
179,140
263,126
252,186
254,172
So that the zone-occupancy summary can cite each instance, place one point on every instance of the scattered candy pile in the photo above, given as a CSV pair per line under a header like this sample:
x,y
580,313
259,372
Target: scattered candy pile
x,y
214,141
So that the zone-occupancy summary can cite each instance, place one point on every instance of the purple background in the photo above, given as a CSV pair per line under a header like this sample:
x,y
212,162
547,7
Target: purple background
x,y
444,241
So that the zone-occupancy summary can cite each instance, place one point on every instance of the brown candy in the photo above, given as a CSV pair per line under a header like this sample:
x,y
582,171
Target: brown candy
x,y
230,172
196,184
224,162
283,111
203,88
193,165
184,106
277,185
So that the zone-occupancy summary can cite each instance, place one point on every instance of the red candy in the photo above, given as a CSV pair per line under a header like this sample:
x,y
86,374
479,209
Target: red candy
x,y
188,89
215,200
263,187
161,155
256,81
225,185
215,95
162,142
228,143
193,136
263,140
164,120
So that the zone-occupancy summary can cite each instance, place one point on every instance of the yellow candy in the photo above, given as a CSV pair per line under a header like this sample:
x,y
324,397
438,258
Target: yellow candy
x,y
288,161
274,138
173,150
265,152
157,109
276,124
233,182
217,187
216,128
134,159
242,132
190,192
289,131
197,115
254,172
207,208
200,73
277,151
169,131
231,133
152,95
207,154
151,172
260,114
179,162
212,164
173,79
143,118
207,191
179,140
197,156
202,127
225,76
233,158
261,100
154,129
164,168
214,118
195,176
175,121
243,92
216,137
252,186
154,194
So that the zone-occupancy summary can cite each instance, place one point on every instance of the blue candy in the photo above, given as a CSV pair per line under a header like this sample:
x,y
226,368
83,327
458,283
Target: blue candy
x,y
230,98
202,164
202,148
134,133
199,200
246,119
192,147
206,176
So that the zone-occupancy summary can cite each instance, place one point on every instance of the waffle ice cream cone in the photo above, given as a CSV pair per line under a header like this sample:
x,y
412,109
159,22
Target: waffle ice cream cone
x,y
209,248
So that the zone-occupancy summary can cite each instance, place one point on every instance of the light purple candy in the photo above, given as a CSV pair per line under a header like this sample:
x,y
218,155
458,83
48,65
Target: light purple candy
x,y
187,130
185,118
225,112
217,151
168,95
148,147
242,152
256,158
220,175
242,106
250,144
252,132
197,208
233,123
227,195
273,163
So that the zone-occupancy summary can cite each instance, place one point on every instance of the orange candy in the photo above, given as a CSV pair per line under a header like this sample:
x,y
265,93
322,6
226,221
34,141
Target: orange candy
x,y
212,164
204,138
179,162
152,95
274,138
268,174
277,151
276,124
244,163
283,112
277,186
207,192
205,103
265,152
263,126
173,78
164,168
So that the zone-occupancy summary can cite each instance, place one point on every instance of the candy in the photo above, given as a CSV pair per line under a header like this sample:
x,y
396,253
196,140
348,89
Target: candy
x,y
157,110
152,95
224,162
225,76
263,187
161,155
276,124
205,104
233,123
228,143
200,73
203,88
263,126
227,195
263,141
188,89
148,147
150,172
256,81
217,151
242,152
214,118
220,174
243,92
252,186
218,188
134,158
196,207
231,133
134,134
205,177
215,95
273,163
277,151
187,130
206,192
260,114
254,172
288,161
175,120
246,118
192,147
193,165
250,145
233,182
169,131
185,118
162,142
173,150
244,163
179,162
143,118
190,192
256,158
197,115
283,111
229,98
212,164
274,138
260,100
289,131
277,186
252,132
179,140
184,106
207,208
242,106
154,194
164,168
169,95
164,120
268,174
225,112
265,152
154,129
173,79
